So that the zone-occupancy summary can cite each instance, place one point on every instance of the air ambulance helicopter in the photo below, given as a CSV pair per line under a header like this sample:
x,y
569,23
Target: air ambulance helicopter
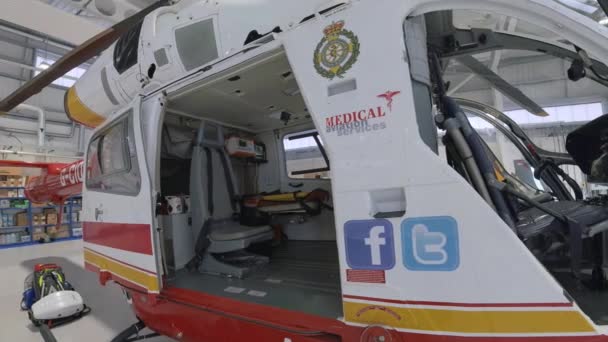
x,y
193,205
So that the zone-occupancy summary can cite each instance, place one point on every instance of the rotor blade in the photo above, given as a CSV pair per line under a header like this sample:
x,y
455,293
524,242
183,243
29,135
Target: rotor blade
x,y
503,86
89,49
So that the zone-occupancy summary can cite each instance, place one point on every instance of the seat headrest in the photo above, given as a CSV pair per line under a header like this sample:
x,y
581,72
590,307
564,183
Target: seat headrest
x,y
210,135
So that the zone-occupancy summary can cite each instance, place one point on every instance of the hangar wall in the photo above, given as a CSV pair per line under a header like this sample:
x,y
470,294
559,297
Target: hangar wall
x,y
19,128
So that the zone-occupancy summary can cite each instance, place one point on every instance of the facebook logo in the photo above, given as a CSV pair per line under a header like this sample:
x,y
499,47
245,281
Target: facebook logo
x,y
369,245
430,244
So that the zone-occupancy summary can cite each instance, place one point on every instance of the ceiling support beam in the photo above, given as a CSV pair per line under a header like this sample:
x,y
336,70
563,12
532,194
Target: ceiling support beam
x,y
48,21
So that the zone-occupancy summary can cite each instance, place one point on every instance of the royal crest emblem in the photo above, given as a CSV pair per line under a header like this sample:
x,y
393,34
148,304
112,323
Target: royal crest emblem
x,y
337,52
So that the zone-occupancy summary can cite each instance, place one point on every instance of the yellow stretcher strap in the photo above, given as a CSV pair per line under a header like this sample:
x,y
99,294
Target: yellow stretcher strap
x,y
285,197
498,171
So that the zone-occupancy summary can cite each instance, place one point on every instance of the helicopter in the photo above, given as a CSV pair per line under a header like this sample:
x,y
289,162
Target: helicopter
x,y
270,171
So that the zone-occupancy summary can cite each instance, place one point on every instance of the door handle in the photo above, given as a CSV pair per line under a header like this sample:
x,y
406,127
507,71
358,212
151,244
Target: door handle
x,y
98,214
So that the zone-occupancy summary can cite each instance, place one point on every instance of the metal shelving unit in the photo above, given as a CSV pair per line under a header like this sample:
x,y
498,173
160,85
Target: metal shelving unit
x,y
70,206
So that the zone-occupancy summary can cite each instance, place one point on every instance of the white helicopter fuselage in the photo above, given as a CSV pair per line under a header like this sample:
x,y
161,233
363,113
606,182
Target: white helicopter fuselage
x,y
443,267
170,46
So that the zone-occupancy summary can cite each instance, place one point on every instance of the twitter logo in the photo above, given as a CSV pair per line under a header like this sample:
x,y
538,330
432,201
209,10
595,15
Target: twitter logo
x,y
430,244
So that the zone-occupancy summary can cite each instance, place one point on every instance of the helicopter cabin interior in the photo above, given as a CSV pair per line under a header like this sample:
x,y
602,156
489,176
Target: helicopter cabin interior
x,y
258,222
276,244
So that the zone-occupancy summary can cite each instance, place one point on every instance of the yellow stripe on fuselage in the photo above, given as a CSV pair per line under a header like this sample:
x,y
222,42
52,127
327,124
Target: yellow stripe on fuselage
x,y
79,112
134,275
487,320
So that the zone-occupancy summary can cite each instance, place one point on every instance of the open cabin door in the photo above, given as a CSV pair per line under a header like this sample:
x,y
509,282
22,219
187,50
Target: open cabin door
x,y
119,206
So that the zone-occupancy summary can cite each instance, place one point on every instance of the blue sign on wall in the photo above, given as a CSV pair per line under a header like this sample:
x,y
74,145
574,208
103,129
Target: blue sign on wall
x,y
369,244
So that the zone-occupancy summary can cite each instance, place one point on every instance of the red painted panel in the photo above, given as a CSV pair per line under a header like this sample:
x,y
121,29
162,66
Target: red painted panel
x,y
129,237
366,276
465,305
196,316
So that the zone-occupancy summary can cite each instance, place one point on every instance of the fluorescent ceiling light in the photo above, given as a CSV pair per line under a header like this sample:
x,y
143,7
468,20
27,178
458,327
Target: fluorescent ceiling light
x,y
603,21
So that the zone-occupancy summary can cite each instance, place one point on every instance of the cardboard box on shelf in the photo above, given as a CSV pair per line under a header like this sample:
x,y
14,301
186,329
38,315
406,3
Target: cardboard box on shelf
x,y
38,236
40,205
47,211
64,234
51,218
11,171
41,219
21,219
16,181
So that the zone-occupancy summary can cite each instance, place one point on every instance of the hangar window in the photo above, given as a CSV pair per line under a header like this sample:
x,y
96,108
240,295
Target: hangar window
x,y
112,160
45,59
125,51
305,156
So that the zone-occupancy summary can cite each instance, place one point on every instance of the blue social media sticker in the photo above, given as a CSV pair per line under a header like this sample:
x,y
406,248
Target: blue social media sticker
x,y
430,244
369,244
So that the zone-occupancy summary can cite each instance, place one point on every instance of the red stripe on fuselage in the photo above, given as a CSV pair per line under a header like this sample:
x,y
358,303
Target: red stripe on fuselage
x,y
129,237
464,305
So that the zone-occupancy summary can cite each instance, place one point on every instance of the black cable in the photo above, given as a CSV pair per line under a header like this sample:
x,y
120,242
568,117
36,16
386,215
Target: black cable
x,y
512,191
578,192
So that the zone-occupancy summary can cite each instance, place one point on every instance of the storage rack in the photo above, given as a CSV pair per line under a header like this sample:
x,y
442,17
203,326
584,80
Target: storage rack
x,y
71,206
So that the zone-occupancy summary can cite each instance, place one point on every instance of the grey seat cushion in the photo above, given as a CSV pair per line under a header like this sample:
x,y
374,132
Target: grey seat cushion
x,y
534,221
228,230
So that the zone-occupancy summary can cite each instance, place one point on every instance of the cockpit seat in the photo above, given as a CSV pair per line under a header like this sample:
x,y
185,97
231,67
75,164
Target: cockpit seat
x,y
222,242
534,221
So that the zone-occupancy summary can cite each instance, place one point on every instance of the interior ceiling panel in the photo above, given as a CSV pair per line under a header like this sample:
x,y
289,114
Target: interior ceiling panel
x,y
251,97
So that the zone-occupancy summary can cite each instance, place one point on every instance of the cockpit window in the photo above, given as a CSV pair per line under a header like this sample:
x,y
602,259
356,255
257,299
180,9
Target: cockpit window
x,y
112,164
125,51
305,156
